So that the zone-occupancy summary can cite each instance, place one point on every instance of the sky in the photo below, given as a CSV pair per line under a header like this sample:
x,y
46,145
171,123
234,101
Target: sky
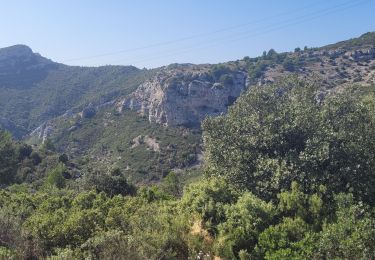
x,y
151,33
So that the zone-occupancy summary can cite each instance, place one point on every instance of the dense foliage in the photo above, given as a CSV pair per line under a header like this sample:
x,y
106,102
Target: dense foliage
x,y
288,175
21,163
287,132
109,140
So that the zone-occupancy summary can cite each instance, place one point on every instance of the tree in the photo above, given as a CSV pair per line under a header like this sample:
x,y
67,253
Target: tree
x,y
171,185
35,157
24,150
8,158
281,241
219,70
63,158
285,132
351,236
227,80
289,64
56,176
112,184
272,54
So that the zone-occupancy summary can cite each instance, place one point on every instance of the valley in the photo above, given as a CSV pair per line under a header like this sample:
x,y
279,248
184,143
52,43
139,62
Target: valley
x,y
269,157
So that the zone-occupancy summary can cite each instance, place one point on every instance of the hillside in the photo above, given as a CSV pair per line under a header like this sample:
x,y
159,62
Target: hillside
x,y
166,109
34,89
334,65
286,177
145,152
116,116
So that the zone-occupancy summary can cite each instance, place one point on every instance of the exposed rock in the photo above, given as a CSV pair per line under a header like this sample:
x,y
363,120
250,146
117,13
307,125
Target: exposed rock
x,y
72,128
69,113
42,132
137,141
184,95
150,142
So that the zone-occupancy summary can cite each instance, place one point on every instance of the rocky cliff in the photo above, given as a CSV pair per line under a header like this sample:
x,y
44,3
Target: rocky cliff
x,y
185,94
35,90
96,110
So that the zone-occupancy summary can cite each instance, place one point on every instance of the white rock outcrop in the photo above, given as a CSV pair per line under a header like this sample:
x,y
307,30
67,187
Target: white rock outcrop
x,y
184,96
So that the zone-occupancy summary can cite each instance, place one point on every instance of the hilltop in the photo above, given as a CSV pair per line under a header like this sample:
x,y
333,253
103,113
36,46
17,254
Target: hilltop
x,y
147,122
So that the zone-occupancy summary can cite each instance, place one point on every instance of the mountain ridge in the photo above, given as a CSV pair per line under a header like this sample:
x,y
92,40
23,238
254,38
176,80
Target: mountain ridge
x,y
98,114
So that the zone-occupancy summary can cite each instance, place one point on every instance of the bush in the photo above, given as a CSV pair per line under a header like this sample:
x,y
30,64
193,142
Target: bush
x,y
351,236
35,157
56,176
281,241
226,79
219,70
245,220
208,198
112,184
289,65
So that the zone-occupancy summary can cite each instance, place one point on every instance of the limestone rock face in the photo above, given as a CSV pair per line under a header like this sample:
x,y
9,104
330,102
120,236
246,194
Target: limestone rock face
x,y
185,95
42,132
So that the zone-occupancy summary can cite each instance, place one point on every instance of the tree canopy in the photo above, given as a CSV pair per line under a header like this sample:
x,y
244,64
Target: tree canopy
x,y
290,131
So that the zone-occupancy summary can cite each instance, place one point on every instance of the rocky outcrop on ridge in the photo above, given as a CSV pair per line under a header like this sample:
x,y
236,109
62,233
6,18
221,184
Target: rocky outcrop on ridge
x,y
185,95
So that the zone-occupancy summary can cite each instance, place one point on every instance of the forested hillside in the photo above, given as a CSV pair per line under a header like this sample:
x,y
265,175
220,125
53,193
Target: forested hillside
x,y
187,130
288,174
34,89
147,122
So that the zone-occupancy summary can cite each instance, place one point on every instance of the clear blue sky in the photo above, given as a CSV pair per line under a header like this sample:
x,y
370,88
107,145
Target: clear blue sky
x,y
151,33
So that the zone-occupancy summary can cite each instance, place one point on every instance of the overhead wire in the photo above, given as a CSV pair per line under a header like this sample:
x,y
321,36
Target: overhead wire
x,y
245,35
164,43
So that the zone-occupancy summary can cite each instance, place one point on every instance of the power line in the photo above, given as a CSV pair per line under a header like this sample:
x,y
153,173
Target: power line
x,y
245,35
195,36
274,27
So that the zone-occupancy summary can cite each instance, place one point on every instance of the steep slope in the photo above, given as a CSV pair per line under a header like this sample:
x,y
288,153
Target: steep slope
x,y
137,119
346,62
184,94
144,151
34,89
154,129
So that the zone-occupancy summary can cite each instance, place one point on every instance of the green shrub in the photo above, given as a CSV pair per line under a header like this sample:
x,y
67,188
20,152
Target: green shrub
x,y
56,176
